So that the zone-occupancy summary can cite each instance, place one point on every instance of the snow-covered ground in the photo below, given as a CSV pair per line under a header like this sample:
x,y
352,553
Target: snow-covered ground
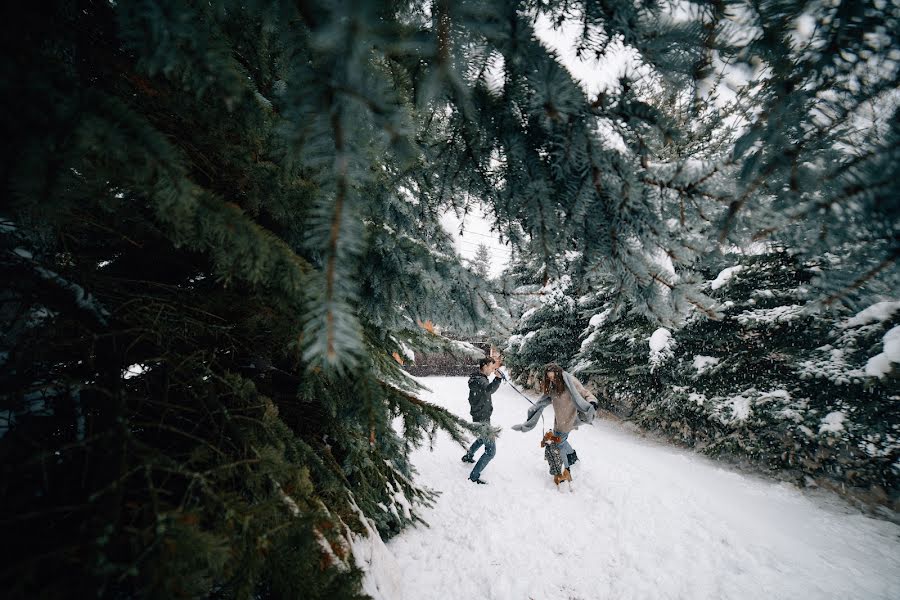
x,y
645,521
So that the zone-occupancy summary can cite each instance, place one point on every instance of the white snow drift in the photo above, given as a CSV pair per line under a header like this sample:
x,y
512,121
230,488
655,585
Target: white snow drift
x,y
646,521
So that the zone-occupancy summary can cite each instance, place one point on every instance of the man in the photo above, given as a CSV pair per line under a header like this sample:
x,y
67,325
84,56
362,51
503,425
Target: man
x,y
480,407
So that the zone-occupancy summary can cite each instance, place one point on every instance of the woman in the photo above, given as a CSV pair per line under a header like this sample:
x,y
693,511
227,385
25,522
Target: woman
x,y
572,404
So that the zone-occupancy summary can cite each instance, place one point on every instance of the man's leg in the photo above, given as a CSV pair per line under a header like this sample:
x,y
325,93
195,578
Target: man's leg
x,y
490,449
470,454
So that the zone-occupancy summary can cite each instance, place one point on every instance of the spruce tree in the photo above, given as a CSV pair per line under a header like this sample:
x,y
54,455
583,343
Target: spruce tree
x,y
777,381
481,264
787,156
213,247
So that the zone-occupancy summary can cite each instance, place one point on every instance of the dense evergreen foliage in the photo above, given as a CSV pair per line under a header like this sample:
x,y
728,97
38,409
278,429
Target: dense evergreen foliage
x,y
208,271
220,221
777,380
789,139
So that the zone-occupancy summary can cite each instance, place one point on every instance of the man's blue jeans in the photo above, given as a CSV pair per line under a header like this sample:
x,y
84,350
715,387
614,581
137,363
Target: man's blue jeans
x,y
490,449
565,449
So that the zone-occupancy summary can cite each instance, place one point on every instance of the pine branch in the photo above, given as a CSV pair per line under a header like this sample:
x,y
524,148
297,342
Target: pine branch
x,y
863,279
335,231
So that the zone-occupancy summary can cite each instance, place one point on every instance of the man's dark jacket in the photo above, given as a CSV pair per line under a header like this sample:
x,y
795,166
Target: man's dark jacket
x,y
480,390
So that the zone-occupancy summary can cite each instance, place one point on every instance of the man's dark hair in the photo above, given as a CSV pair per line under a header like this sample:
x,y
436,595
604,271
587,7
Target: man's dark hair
x,y
485,361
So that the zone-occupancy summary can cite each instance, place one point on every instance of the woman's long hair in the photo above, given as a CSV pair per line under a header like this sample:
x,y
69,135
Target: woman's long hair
x,y
557,385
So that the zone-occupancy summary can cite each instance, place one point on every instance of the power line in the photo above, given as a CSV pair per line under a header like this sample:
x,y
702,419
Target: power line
x,y
492,237
494,251
468,241
491,254
494,255
476,245
465,241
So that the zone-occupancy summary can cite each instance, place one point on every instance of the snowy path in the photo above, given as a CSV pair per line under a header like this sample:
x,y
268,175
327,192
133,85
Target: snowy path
x,y
646,521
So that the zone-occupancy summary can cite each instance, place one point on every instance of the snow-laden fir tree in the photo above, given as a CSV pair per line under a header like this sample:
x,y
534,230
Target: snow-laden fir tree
x,y
213,246
808,394
481,263
754,163
221,219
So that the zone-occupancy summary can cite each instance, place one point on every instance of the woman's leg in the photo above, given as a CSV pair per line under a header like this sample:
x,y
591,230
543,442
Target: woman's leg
x,y
564,447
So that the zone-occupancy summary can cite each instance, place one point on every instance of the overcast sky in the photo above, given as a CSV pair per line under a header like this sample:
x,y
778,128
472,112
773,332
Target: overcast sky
x,y
594,76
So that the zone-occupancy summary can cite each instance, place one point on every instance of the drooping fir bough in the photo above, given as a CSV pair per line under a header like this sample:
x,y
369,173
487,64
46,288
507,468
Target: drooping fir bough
x,y
220,219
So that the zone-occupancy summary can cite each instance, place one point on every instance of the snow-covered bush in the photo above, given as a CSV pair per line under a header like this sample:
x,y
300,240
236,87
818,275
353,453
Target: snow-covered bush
x,y
777,379
548,332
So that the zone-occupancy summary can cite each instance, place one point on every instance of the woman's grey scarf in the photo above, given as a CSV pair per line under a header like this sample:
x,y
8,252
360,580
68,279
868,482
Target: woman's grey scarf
x,y
584,408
